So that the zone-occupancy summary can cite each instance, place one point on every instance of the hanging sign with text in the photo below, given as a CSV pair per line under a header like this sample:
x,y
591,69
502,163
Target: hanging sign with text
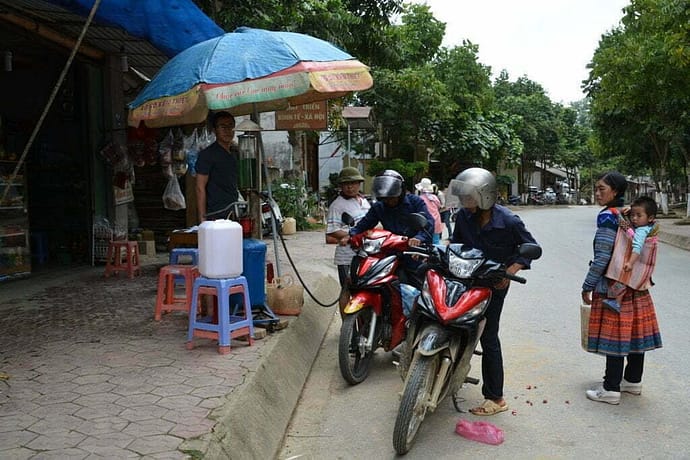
x,y
312,116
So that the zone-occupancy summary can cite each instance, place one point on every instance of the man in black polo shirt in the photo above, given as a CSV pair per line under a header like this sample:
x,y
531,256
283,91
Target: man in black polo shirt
x,y
217,169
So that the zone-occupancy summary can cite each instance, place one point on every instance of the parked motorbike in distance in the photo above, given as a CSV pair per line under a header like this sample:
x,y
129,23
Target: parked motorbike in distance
x,y
269,210
444,329
512,200
240,209
373,317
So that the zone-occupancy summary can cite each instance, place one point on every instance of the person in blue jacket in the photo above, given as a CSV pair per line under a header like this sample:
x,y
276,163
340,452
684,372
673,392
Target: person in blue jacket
x,y
392,207
497,232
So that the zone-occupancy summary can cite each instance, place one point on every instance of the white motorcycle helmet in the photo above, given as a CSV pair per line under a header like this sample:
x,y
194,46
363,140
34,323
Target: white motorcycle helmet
x,y
475,186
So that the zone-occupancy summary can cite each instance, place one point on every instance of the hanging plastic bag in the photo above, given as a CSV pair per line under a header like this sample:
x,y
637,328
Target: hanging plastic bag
x,y
173,198
178,150
479,431
165,148
192,149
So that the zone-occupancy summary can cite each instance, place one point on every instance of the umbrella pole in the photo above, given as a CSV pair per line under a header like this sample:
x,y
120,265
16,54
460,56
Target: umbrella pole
x,y
274,230
264,171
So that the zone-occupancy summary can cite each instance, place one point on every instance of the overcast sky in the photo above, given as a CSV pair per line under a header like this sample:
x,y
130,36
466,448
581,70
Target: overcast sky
x,y
550,41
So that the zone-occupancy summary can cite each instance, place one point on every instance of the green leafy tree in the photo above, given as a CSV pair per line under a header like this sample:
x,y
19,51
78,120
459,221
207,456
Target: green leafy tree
x,y
535,120
639,87
411,171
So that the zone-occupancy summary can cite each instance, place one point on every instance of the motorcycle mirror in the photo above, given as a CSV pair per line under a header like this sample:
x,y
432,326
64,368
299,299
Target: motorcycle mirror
x,y
416,221
347,219
530,251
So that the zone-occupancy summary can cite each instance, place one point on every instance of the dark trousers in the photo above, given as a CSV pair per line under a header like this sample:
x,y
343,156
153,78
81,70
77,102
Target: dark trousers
x,y
445,217
614,370
492,357
343,274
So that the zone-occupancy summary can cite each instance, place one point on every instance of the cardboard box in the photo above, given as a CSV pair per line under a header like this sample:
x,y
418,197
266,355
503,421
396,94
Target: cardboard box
x,y
148,235
147,248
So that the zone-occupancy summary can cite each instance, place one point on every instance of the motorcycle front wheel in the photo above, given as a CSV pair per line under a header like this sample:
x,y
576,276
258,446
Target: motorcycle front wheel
x,y
414,402
353,359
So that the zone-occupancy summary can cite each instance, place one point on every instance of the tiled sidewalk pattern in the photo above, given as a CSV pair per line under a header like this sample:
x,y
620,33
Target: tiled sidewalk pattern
x,y
88,377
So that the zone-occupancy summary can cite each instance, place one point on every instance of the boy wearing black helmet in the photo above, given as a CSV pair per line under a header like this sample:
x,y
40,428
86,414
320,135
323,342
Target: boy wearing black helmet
x,y
393,205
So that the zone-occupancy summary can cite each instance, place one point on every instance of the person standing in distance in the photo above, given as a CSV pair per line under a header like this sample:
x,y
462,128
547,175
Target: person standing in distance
x,y
426,192
217,169
498,233
350,201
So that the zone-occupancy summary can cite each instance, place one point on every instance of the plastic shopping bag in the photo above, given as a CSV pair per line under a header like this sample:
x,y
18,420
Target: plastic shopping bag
x,y
479,431
585,311
173,198
409,296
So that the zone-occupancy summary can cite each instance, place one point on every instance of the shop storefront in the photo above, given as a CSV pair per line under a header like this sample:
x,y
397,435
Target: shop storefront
x,y
46,215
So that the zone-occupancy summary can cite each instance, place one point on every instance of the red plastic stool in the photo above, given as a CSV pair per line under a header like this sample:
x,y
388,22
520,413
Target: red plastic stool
x,y
166,300
122,256
229,324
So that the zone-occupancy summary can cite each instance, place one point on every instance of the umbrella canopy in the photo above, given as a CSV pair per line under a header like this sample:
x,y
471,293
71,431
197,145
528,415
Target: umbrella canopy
x,y
245,71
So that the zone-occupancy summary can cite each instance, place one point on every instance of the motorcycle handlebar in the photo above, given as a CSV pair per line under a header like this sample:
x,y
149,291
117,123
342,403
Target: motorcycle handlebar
x,y
420,251
516,278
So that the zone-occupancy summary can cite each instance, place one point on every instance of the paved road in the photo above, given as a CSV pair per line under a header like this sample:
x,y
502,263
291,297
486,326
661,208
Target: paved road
x,y
546,375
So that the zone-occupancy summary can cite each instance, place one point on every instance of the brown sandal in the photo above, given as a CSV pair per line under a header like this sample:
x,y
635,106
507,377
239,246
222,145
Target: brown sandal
x,y
489,407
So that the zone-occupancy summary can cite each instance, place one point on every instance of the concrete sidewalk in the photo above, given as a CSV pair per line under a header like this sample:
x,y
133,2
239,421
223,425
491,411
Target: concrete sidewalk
x,y
85,371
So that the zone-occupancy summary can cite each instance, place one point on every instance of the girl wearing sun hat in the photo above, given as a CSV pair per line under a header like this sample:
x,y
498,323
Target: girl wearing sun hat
x,y
425,188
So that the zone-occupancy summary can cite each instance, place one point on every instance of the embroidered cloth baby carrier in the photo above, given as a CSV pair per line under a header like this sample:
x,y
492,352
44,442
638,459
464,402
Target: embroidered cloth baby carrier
x,y
640,277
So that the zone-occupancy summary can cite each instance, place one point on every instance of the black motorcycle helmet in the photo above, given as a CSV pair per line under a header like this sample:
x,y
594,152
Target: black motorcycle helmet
x,y
388,184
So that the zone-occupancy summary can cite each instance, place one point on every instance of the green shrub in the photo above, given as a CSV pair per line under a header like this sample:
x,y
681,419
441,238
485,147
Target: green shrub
x,y
294,201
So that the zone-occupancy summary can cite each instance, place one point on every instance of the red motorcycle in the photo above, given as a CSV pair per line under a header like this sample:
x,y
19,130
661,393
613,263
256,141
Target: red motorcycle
x,y
374,316
444,328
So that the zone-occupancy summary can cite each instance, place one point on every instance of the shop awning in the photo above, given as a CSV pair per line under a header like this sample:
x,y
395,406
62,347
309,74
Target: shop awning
x,y
142,30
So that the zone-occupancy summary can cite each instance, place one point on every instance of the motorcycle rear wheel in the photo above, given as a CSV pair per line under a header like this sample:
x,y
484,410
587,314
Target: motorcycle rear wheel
x,y
354,365
414,402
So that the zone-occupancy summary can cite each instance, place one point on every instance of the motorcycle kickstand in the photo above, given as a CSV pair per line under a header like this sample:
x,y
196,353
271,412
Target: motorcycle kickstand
x,y
456,403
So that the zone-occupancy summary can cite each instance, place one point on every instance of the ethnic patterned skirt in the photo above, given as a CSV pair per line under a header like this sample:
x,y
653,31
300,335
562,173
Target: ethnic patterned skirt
x,y
633,330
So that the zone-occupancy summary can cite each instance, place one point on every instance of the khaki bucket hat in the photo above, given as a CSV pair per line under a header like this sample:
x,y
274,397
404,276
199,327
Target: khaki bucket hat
x,y
349,174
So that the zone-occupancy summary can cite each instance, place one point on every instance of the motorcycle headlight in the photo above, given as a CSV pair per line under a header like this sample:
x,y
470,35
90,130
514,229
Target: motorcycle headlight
x,y
462,268
372,246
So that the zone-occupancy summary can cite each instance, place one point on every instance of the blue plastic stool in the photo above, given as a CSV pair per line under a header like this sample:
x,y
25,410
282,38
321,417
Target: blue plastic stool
x,y
177,253
229,324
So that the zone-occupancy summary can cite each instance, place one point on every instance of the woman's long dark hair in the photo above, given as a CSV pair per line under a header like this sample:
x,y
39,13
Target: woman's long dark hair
x,y
618,183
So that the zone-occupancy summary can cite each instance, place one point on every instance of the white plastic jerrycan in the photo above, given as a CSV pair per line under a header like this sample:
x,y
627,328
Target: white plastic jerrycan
x,y
220,249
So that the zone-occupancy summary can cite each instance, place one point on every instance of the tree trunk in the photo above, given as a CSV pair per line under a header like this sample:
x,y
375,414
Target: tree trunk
x,y
661,147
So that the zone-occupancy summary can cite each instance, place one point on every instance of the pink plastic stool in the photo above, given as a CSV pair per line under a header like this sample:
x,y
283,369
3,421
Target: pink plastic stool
x,y
122,256
166,300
